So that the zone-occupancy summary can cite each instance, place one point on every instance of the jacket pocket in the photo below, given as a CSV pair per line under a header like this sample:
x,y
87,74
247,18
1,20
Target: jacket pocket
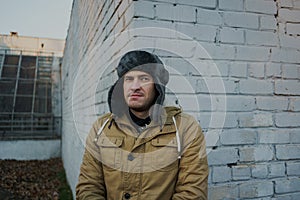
x,y
110,151
164,154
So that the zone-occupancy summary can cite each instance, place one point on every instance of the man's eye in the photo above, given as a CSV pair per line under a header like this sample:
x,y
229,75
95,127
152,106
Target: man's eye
x,y
145,79
128,79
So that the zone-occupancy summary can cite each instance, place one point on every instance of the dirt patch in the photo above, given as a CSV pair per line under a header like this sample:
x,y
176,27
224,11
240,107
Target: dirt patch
x,y
35,179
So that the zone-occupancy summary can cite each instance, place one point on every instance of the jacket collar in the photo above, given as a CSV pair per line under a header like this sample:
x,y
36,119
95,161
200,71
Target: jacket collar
x,y
160,116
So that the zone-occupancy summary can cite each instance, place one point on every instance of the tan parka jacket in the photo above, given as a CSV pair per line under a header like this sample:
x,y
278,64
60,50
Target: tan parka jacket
x,y
158,162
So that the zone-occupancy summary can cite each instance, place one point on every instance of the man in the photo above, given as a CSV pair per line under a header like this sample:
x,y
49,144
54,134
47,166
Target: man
x,y
143,150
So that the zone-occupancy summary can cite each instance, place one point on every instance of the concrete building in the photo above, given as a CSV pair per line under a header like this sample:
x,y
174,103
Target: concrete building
x,y
30,97
234,65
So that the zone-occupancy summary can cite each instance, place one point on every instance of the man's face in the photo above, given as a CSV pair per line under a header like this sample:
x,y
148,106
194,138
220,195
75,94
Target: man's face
x,y
139,90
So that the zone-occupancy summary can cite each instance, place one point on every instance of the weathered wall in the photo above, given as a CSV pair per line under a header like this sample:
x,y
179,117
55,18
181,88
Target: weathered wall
x,y
30,149
34,44
235,66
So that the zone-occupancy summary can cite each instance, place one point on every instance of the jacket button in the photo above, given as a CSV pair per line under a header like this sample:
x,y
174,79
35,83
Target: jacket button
x,y
130,157
127,196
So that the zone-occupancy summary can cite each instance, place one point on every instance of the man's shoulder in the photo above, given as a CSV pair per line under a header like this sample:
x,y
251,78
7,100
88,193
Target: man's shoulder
x,y
102,118
187,117
105,116
180,114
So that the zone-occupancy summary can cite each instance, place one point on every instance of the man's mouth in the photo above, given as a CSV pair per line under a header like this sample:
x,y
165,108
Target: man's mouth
x,y
135,95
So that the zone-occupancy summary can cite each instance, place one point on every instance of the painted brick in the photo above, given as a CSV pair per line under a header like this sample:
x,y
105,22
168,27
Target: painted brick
x,y
198,67
276,170
195,103
235,5
183,48
215,120
244,20
182,85
204,119
247,53
259,171
216,86
272,103
288,15
286,152
268,22
210,176
281,27
231,35
143,9
273,136
261,38
256,70
285,55
203,3
221,174
231,120
289,196
224,52
289,41
258,153
241,172
216,102
293,168
212,138
228,191
287,119
181,66
238,69
295,136
222,69
256,189
286,3
240,103
161,25
259,119
253,86
290,71
208,17
211,103
236,137
287,185
296,4
261,6
293,29
122,8
176,13
223,156
273,70
198,32
294,104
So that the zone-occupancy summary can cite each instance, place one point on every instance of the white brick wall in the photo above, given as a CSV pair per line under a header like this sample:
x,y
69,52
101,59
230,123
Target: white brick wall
x,y
268,22
205,16
232,35
261,6
242,20
236,5
252,47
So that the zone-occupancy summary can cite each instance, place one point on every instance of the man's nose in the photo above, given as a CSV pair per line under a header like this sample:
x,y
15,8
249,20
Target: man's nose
x,y
136,84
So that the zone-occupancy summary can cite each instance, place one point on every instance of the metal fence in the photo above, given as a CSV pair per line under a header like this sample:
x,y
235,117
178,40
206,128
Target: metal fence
x,y
26,95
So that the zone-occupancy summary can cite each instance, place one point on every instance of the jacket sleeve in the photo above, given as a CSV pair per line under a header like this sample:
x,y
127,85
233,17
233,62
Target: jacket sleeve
x,y
193,167
90,182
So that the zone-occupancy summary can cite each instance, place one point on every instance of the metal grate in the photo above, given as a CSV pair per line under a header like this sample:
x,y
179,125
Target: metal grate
x,y
26,96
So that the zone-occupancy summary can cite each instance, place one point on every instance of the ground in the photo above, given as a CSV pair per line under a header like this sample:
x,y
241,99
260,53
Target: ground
x,y
33,179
